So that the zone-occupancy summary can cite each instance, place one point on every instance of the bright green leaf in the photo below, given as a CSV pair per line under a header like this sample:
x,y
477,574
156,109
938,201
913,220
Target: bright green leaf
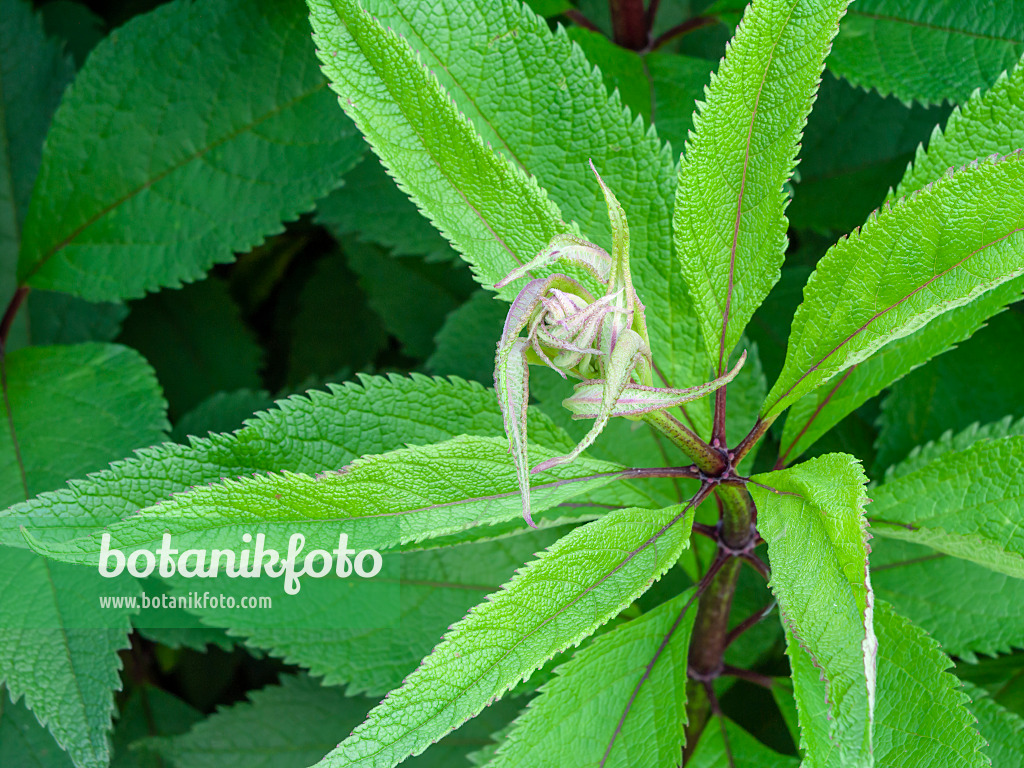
x,y
511,75
554,602
619,702
730,227
920,718
198,176
494,215
914,261
303,434
438,587
379,501
814,516
823,408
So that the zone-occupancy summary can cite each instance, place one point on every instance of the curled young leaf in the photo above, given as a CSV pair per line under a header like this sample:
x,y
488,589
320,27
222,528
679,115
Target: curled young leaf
x,y
637,399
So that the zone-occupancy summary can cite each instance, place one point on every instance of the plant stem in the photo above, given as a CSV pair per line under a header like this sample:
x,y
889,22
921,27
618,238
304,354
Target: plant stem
x,y
709,460
698,709
629,23
760,427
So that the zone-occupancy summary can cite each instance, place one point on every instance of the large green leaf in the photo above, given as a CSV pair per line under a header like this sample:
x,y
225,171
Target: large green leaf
x,y
24,742
438,587
509,74
730,224
378,501
966,504
33,74
619,702
967,608
928,51
494,214
920,718
303,434
814,516
198,176
922,257
67,410
554,602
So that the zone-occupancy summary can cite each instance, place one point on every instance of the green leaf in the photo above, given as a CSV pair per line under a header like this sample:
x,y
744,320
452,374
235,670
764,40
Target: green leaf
x,y
930,51
1004,730
67,410
926,255
497,48
438,587
292,725
966,504
552,603
823,408
619,702
303,434
814,515
735,748
944,394
923,455
196,341
967,608
370,206
730,224
23,741
494,215
380,501
218,178
148,712
33,73
920,718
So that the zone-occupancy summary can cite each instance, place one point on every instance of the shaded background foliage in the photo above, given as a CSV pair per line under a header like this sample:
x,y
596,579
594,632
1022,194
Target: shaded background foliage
x,y
363,284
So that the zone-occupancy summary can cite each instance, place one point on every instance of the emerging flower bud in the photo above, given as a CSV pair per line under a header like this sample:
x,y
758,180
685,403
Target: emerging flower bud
x,y
600,340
